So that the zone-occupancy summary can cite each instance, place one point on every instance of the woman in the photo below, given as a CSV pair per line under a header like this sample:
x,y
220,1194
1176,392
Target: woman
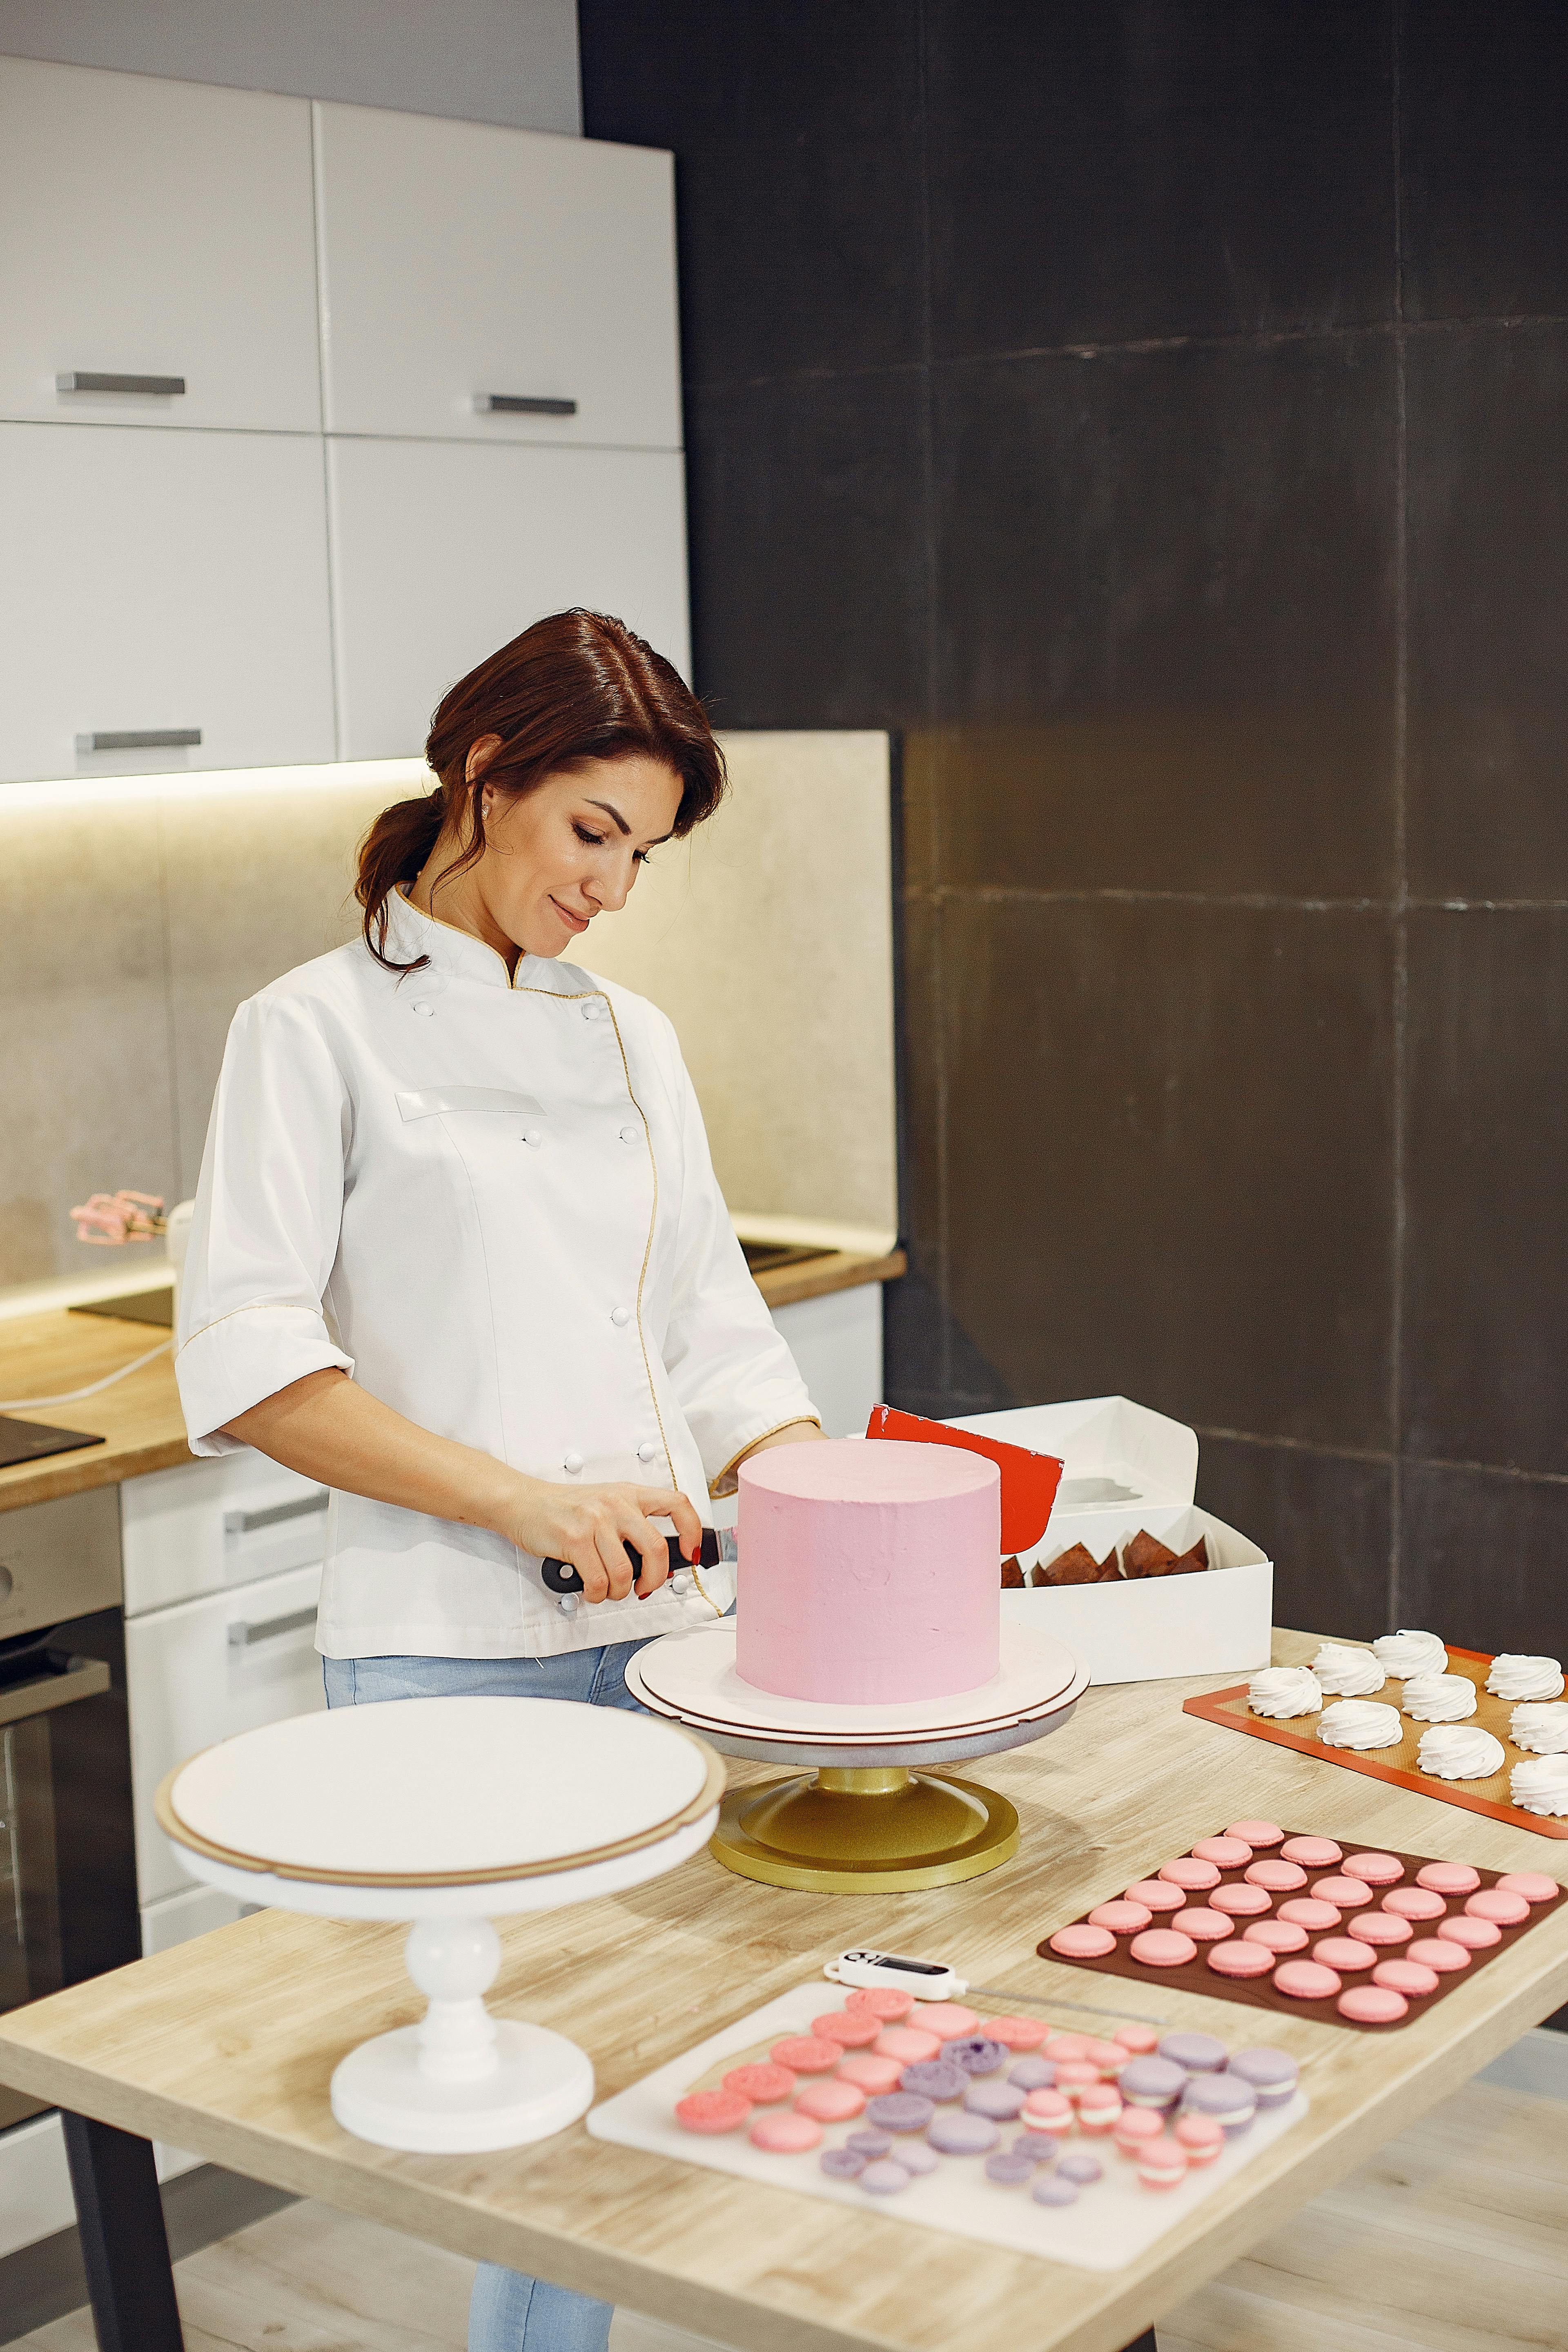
x,y
459,1252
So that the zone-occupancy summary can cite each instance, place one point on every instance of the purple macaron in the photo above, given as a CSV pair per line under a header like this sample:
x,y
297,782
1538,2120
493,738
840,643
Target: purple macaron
x,y
935,2078
1003,2102
1033,2074
870,2143
963,2135
1272,2074
916,2156
899,2111
1152,2082
977,2054
842,2163
886,2177
1230,2102
1200,2053
1053,2190
1080,2170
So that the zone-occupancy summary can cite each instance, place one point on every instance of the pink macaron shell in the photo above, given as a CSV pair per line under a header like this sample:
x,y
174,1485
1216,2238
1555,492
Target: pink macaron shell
x,y
1076,2074
1014,2032
1496,1903
764,2085
1533,1884
1162,2163
1063,2048
785,2135
1371,2004
1049,2111
1203,1926
1238,1959
1239,1901
1381,1927
1407,1977
1306,1911
1276,1877
1439,1952
1256,1834
1201,2136
1312,1852
1163,1947
881,2000
1081,1942
1475,1935
907,2043
712,2111
875,2076
1414,1903
1138,2040
948,2020
1122,1918
1188,1872
1305,1981
1276,1935
850,2028
1374,1869
1099,2109
1448,1877
1346,1953
1345,1893
1229,1853
830,2102
803,2054
1155,1894
1136,2125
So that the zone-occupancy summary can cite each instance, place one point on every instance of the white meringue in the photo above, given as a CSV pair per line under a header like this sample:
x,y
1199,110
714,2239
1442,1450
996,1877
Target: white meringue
x,y
1459,1752
1541,1784
1360,1723
1439,1698
1515,1675
1404,1653
1543,1728
1285,1690
1352,1673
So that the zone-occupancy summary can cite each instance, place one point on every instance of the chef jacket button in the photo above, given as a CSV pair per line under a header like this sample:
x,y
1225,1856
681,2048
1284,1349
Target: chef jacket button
x,y
425,1012
620,1315
646,1450
533,1135
590,1009
572,1464
628,1135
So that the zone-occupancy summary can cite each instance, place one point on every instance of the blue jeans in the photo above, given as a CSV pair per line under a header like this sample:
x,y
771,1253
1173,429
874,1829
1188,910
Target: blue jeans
x,y
509,2313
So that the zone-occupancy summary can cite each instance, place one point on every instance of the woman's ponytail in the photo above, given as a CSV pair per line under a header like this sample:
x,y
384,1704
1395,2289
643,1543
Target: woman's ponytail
x,y
396,850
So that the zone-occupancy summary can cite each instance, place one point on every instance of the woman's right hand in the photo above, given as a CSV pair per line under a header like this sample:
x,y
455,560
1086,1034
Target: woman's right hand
x,y
591,1526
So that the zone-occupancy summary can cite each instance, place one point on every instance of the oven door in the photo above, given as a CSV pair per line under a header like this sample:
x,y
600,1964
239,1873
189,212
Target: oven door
x,y
67,1907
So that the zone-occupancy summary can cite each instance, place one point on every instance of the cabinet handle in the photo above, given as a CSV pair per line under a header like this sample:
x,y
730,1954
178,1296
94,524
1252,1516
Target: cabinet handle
x,y
522,404
241,1634
304,1507
165,387
141,738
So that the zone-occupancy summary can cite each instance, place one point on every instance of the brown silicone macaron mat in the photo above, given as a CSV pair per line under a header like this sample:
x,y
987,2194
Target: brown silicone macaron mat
x,y
1398,1764
1257,1992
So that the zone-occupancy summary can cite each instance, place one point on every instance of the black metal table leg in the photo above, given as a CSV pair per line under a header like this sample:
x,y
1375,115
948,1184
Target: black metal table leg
x,y
124,2245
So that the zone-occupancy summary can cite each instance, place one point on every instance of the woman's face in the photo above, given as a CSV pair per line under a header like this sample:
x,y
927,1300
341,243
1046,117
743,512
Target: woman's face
x,y
561,854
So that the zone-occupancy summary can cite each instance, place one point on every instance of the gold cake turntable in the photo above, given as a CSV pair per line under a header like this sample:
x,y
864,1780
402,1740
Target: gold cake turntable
x,y
867,1813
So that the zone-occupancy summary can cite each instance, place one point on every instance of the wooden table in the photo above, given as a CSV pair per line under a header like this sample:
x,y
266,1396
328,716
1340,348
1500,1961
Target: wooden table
x,y
226,2046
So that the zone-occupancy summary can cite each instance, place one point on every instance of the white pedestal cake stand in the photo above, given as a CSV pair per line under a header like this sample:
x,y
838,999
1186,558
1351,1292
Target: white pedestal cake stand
x,y
867,1814
447,1812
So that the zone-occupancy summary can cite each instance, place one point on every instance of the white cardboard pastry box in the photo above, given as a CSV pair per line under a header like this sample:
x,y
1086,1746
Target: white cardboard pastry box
x,y
1124,1468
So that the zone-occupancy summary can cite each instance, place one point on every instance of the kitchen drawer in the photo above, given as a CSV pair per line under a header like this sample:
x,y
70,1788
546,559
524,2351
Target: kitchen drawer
x,y
461,261
442,552
155,229
200,1671
159,581
58,1560
213,1524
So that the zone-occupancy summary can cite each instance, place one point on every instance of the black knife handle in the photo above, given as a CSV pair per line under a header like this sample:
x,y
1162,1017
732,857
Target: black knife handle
x,y
561,1578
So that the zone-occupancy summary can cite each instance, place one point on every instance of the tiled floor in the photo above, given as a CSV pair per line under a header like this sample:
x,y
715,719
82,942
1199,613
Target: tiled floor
x,y
1455,2239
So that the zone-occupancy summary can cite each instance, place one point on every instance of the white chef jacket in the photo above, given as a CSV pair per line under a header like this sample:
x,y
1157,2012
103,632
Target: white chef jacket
x,y
491,1201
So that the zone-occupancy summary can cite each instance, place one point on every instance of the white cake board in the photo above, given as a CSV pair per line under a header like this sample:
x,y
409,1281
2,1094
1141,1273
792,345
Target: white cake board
x,y
1112,2223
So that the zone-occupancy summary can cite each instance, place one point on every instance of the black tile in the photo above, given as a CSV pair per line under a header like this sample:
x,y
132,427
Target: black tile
x,y
1486,1282
920,1083
1168,1158
808,563
1325,1521
1165,634
1489,611
1108,170
797,143
1484,96
1482,1558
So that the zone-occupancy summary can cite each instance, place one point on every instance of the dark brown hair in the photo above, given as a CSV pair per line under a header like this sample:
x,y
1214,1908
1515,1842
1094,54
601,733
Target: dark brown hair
x,y
575,687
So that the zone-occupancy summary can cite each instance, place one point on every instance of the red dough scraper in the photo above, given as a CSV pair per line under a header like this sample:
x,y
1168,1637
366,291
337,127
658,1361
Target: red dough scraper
x,y
1029,1481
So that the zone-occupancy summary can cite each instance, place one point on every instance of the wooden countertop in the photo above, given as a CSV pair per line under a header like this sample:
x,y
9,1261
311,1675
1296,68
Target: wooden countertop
x,y
226,2046
49,1354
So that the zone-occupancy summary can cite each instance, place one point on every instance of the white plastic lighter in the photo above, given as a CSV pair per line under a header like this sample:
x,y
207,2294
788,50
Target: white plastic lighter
x,y
926,1979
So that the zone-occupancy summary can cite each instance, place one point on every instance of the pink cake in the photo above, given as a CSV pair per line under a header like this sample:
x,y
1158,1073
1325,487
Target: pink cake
x,y
870,1572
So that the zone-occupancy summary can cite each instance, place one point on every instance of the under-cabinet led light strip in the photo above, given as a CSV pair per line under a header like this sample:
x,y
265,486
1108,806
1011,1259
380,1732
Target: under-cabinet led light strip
x,y
72,793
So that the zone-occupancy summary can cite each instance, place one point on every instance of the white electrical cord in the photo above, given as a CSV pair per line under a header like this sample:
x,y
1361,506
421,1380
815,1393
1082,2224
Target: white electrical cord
x,y
75,1396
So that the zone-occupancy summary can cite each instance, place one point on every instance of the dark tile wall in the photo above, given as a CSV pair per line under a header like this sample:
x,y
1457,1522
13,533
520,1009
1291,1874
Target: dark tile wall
x,y
1158,415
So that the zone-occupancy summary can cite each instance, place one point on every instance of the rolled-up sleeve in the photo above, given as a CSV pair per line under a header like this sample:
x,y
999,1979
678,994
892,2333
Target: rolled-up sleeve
x,y
732,1370
265,1233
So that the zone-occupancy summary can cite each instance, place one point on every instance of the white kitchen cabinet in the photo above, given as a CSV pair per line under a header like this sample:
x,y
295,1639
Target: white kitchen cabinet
x,y
202,1671
442,551
461,263
161,583
212,1524
195,1911
156,229
836,1340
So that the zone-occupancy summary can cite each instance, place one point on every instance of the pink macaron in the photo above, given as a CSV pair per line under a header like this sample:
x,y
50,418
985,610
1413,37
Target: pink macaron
x,y
1238,1959
950,2021
830,2102
1201,2136
1081,1942
786,2135
1122,1918
1203,1926
1276,1935
907,2043
1496,1902
1312,1852
1192,1875
1414,1903
1163,2163
1229,1853
1257,1834
1098,2108
1305,1981
1533,1884
1276,1877
1346,1894
1108,2056
712,2111
806,2054
1019,2033
1062,2048
1373,1869
881,2000
1049,2111
1408,1977
1380,1927
850,2028
1346,1953
1138,2040
1238,1900
1476,1934
1163,1947
868,2072
1307,1911
763,2086
1136,2126
1439,1952
1371,2004
1155,1894
1448,1877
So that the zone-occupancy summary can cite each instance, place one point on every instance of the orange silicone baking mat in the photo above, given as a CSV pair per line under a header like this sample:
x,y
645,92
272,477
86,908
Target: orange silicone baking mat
x,y
1398,1764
